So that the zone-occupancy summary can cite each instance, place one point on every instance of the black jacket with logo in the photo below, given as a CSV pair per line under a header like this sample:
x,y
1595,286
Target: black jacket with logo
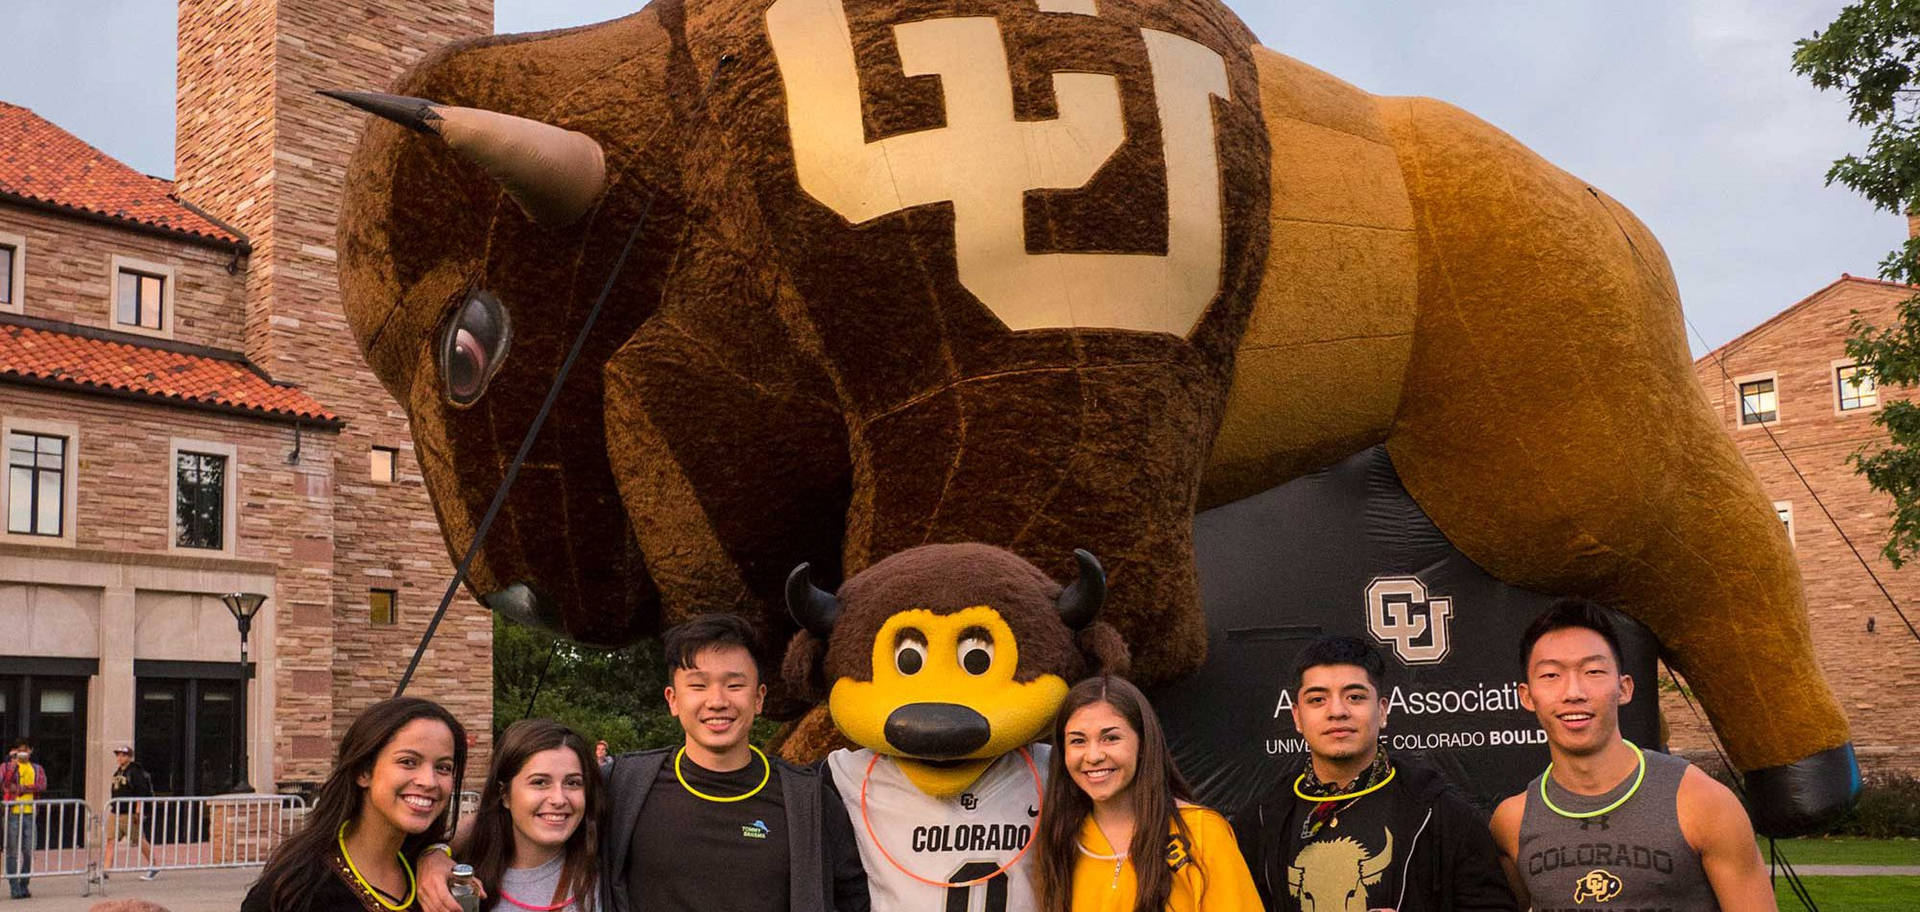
x,y
1445,856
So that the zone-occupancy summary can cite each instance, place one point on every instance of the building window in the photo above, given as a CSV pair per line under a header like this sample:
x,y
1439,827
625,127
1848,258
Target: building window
x,y
13,273
384,459
1857,388
141,300
36,484
1784,510
8,253
199,500
1759,403
383,606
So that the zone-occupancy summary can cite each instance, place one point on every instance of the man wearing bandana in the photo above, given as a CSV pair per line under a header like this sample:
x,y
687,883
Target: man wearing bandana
x,y
1353,821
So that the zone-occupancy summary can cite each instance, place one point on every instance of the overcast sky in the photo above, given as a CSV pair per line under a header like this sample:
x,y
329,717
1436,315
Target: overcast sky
x,y
1685,111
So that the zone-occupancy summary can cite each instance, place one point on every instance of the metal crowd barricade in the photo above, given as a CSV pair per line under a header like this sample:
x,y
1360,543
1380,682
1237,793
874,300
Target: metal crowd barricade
x,y
61,832
212,831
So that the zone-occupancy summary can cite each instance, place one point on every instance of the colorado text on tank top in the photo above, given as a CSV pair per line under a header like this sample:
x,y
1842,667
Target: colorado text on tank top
x,y
1632,859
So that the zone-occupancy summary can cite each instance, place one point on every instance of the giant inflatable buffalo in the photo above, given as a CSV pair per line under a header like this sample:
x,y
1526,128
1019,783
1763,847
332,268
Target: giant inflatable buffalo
x,y
1046,274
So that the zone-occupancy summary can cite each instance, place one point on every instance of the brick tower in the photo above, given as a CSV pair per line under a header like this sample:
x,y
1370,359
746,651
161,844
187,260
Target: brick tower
x,y
258,148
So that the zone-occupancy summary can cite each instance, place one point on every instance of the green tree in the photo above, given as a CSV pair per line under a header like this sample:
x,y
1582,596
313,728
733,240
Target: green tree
x,y
1871,52
605,695
611,695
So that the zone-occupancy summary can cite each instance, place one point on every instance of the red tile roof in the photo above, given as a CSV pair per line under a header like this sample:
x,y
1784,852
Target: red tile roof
x,y
93,360
41,162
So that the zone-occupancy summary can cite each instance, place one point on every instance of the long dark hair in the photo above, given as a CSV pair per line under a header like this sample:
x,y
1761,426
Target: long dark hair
x,y
492,845
297,868
1158,787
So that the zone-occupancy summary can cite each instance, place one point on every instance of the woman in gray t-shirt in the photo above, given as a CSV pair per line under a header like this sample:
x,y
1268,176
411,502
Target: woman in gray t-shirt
x,y
536,833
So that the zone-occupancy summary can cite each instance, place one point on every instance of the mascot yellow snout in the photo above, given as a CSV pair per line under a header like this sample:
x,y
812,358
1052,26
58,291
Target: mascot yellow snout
x,y
946,657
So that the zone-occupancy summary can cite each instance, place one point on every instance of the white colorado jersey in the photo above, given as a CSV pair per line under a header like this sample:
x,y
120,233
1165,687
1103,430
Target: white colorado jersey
x,y
943,840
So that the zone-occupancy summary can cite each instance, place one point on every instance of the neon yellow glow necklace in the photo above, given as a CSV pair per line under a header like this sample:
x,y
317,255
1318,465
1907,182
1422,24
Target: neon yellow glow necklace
x,y
1638,778
378,896
764,776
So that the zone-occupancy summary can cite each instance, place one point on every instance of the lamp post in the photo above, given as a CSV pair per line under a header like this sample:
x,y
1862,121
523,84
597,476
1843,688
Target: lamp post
x,y
244,606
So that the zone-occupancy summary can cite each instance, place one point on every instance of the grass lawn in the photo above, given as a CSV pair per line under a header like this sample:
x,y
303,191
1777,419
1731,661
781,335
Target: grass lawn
x,y
1847,851
1854,894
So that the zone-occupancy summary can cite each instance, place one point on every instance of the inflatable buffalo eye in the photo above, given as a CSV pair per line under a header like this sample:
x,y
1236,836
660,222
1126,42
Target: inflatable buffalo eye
x,y
472,345
910,654
976,652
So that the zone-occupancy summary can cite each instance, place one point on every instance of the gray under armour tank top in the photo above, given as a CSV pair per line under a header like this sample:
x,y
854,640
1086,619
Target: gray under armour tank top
x,y
1631,859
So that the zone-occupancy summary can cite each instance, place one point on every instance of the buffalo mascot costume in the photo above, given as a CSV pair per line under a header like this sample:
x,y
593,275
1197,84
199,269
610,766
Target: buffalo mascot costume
x,y
944,663
1043,274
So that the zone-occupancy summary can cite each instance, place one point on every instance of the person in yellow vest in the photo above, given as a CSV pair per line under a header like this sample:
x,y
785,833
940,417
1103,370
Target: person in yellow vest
x,y
20,780
1119,830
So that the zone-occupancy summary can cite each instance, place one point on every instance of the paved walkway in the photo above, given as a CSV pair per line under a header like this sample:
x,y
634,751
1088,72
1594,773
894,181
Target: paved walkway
x,y
176,891
1857,870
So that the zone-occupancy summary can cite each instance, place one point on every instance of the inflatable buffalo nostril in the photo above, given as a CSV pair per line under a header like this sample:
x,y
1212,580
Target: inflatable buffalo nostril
x,y
1111,263
937,731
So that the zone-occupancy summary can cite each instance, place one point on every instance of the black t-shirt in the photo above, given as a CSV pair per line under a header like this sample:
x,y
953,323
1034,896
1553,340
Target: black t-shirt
x,y
1353,853
694,855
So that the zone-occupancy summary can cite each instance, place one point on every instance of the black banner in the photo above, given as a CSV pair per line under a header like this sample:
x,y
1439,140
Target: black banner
x,y
1347,551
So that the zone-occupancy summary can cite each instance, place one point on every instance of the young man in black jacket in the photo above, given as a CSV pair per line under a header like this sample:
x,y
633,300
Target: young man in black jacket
x,y
1353,822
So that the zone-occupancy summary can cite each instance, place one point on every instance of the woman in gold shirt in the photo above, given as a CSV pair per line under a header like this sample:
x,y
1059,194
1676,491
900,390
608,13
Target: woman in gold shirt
x,y
1115,798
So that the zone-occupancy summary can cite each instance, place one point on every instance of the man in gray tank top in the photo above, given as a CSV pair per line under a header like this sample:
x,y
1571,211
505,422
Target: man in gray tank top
x,y
1610,826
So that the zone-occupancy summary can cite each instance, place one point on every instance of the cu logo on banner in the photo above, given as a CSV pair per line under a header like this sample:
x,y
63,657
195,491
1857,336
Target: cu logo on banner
x,y
1401,614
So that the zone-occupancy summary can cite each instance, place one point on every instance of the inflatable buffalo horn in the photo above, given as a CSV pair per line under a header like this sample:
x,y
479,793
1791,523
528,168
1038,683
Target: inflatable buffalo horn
x,y
1079,602
814,608
554,174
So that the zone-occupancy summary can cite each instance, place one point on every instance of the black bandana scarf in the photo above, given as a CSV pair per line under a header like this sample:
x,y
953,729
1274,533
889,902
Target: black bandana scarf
x,y
1324,812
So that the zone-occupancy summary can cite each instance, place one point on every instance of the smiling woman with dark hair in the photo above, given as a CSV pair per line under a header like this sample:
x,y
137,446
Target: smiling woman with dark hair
x,y
1115,796
398,766
536,835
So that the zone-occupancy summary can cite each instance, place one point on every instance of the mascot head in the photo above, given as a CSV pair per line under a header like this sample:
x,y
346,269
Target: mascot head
x,y
947,656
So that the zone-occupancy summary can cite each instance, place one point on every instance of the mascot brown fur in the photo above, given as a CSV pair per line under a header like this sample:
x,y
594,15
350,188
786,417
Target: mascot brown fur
x,y
1044,274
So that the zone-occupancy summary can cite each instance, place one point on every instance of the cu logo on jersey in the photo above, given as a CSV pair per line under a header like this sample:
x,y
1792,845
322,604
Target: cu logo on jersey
x,y
1403,615
983,161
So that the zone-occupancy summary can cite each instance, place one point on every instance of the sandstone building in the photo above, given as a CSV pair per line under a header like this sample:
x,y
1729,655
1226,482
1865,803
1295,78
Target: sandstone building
x,y
185,414
1787,386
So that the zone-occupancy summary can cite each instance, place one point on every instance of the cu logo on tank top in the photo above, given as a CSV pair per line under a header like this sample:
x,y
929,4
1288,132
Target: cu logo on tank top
x,y
1598,885
1401,614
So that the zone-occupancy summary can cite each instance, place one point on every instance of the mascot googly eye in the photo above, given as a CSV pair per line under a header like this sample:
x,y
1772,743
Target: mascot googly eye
x,y
946,657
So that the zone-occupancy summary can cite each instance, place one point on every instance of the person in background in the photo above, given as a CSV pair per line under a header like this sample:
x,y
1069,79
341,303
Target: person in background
x,y
600,753
396,770
130,780
20,780
535,840
1114,797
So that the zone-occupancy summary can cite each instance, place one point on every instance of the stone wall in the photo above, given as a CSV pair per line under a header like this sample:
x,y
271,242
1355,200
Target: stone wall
x,y
258,148
69,276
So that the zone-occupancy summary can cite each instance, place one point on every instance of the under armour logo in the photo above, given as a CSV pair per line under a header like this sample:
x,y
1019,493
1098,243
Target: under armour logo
x,y
969,801
1401,614
984,162
1590,822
